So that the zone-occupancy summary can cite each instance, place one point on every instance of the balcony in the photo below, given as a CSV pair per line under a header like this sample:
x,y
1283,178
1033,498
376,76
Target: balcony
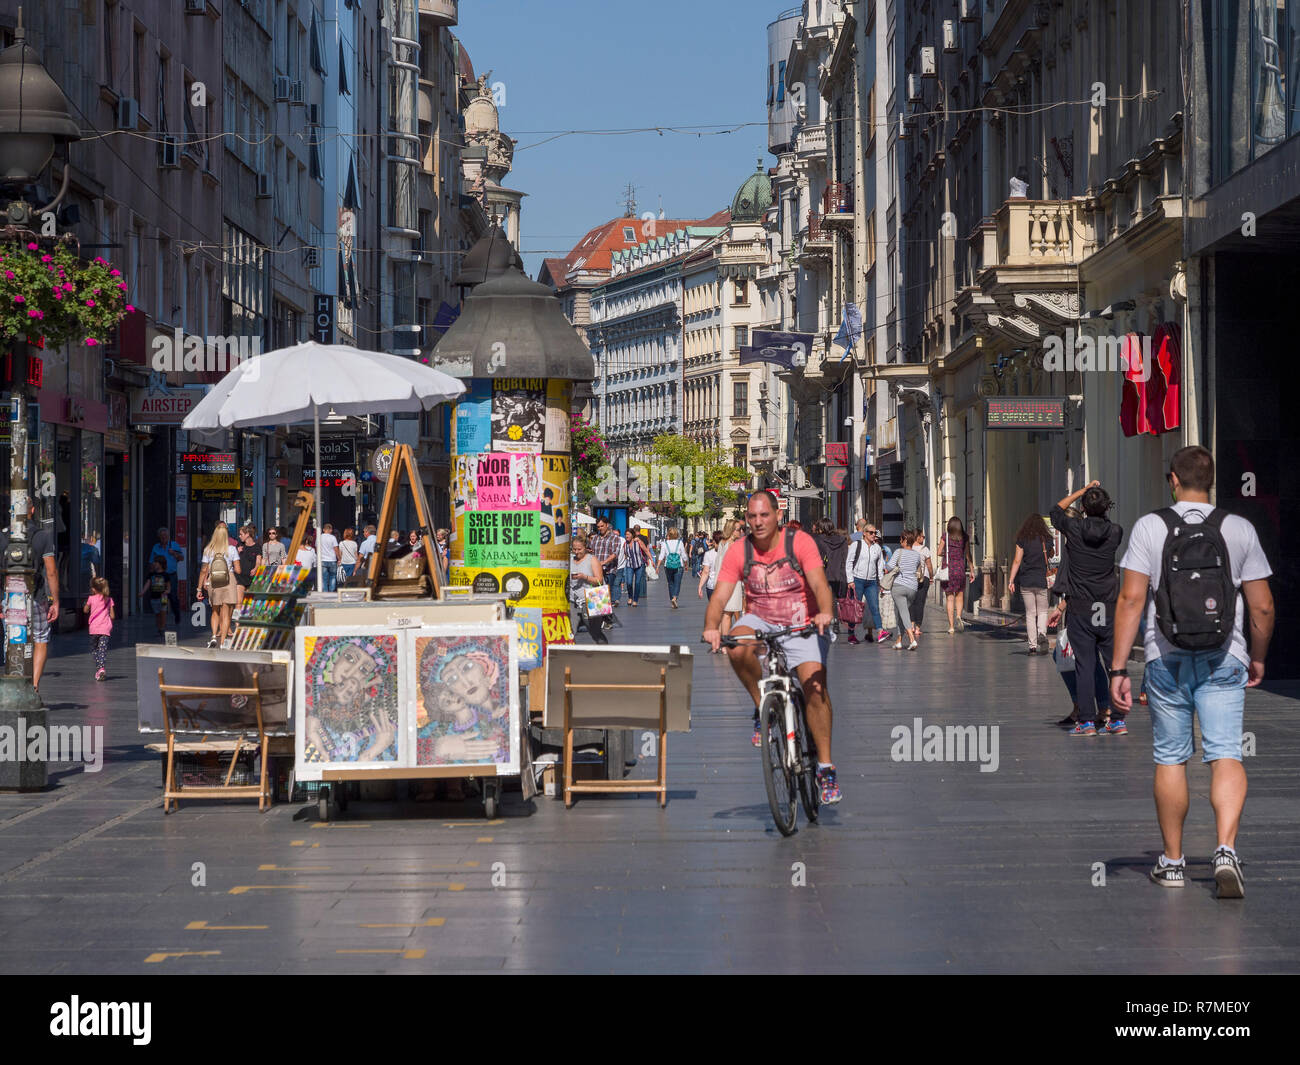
x,y
743,258
1038,233
816,240
837,204
440,12
811,143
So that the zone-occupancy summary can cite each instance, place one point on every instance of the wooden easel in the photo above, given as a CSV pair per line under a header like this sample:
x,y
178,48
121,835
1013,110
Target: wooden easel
x,y
404,459
660,785
172,792
304,501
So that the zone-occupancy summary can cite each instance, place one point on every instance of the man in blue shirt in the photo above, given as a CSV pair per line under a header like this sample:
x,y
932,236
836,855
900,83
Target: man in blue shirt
x,y
168,552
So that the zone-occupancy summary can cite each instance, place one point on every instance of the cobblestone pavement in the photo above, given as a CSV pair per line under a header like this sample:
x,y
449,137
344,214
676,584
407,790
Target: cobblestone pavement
x,y
924,867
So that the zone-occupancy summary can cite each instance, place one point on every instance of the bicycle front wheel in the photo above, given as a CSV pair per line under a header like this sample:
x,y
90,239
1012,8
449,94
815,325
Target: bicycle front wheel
x,y
778,777
809,794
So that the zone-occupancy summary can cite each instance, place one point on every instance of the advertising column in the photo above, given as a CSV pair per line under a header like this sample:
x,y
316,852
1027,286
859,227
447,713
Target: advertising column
x,y
510,497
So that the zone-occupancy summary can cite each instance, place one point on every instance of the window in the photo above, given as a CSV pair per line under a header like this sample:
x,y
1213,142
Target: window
x,y
344,90
133,266
740,399
162,94
742,337
317,45
741,291
110,60
137,63
317,171
771,81
229,113
629,234
161,310
780,82
742,456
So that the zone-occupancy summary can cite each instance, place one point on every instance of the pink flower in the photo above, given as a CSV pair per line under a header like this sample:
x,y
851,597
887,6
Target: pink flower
x,y
96,292
9,275
115,273
31,247
122,287
91,341
47,258
69,286
33,314
58,295
91,303
130,309
19,299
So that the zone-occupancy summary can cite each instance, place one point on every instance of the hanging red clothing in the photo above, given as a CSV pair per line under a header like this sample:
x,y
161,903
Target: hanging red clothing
x,y
1133,418
1164,390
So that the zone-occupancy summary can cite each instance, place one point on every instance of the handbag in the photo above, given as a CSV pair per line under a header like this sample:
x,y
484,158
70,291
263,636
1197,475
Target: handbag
x,y
598,601
850,610
941,574
887,579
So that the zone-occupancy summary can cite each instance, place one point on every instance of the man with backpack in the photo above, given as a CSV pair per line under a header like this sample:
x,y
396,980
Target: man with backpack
x,y
1189,566
785,586
1093,588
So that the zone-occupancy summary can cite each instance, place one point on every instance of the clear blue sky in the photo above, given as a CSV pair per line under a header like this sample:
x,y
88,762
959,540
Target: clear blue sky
x,y
603,64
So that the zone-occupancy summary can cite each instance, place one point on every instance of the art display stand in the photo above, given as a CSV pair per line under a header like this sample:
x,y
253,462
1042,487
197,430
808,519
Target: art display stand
x,y
172,791
387,579
659,785
271,608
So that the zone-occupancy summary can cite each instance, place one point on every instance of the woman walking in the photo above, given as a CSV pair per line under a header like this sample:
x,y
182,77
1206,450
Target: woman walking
x,y
348,548
835,549
1030,565
905,564
958,568
926,576
672,554
584,573
635,556
218,577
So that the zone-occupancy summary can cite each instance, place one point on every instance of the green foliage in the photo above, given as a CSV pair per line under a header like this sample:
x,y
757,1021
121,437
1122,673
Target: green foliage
x,y
673,450
590,453
47,292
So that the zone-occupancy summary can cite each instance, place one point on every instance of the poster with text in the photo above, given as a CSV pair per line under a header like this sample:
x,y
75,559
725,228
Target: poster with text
x,y
555,517
502,538
558,394
523,585
473,419
531,639
519,414
464,491
509,481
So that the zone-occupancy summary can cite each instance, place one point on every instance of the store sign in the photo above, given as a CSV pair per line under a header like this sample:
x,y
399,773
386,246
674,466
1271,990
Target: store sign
x,y
1025,412
837,454
323,320
166,405
215,486
199,462
338,460
837,478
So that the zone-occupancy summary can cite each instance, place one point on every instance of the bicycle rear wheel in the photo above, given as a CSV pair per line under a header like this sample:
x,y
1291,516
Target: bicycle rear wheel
x,y
809,793
778,778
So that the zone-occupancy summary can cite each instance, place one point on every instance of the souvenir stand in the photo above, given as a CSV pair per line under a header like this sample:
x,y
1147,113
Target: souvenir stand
x,y
400,683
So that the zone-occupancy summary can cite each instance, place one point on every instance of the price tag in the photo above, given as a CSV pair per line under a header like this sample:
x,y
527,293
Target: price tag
x,y
402,621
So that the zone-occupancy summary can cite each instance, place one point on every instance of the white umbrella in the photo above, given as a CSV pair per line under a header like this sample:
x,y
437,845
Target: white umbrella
x,y
583,519
292,384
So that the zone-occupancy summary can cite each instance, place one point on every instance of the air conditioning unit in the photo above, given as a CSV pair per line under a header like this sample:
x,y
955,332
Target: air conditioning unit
x,y
311,258
904,127
927,62
263,186
128,113
313,114
950,45
970,10
169,153
297,93
196,7
914,88
282,84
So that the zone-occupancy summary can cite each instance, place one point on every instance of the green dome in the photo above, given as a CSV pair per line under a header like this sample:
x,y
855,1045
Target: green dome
x,y
753,198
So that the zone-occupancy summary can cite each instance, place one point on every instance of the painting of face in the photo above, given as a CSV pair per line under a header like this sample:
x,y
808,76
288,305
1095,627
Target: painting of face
x,y
350,698
463,700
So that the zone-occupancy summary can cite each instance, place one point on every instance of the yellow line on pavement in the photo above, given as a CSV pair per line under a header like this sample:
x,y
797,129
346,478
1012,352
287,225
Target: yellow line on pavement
x,y
196,926
484,839
432,922
297,842
244,889
164,955
414,954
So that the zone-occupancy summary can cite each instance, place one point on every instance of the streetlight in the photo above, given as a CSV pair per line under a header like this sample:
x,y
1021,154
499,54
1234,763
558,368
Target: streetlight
x,y
34,119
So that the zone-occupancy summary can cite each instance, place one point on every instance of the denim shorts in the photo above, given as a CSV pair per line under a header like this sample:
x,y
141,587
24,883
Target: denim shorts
x,y
798,649
1208,684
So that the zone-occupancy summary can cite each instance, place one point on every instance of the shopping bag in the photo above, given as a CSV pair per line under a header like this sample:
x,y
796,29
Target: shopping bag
x,y
1064,653
850,610
599,603
651,571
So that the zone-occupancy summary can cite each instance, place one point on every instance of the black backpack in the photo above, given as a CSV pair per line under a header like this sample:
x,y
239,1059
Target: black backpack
x,y
1196,602
789,555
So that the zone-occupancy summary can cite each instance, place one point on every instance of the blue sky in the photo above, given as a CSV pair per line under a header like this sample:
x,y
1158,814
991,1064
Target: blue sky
x,y
604,64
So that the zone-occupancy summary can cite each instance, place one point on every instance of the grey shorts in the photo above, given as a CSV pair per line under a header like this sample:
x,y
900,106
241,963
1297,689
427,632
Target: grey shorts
x,y
798,649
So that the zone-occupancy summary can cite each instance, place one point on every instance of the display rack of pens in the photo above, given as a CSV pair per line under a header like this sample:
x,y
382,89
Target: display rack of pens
x,y
271,609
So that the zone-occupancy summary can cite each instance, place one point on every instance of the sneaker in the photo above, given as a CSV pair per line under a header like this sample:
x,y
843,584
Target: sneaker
x,y
853,640
1067,722
1084,728
212,642
1227,874
913,646
1169,875
830,789
1033,649
100,675
1115,728
884,635
758,734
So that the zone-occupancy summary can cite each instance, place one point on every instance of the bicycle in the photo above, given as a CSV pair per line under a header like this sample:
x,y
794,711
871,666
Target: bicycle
x,y
789,758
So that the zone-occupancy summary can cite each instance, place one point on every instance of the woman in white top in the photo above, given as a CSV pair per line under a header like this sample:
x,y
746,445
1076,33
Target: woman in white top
x,y
907,564
925,576
348,553
223,594
307,553
671,549
584,573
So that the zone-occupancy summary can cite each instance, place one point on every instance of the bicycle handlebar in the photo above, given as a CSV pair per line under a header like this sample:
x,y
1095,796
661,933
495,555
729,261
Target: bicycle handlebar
x,y
793,630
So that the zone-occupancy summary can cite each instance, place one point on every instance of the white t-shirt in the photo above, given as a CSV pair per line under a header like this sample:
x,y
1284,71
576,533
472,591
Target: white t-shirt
x,y
329,547
306,557
347,552
1146,546
711,564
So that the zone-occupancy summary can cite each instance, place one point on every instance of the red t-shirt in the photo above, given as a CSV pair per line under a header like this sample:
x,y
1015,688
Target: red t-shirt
x,y
776,593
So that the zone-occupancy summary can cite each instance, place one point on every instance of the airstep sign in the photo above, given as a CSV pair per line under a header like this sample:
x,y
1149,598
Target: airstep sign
x,y
150,406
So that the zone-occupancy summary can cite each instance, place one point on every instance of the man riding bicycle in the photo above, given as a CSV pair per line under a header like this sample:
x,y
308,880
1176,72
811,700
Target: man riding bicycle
x,y
785,585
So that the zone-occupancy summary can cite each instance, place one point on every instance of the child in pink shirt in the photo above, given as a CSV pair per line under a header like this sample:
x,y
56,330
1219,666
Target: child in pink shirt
x,y
102,612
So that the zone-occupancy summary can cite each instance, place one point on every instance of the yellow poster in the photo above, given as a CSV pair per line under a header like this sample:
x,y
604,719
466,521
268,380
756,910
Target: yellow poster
x,y
557,415
524,586
557,521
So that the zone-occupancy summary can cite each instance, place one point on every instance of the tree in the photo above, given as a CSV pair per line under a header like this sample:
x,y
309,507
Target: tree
x,y
701,478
